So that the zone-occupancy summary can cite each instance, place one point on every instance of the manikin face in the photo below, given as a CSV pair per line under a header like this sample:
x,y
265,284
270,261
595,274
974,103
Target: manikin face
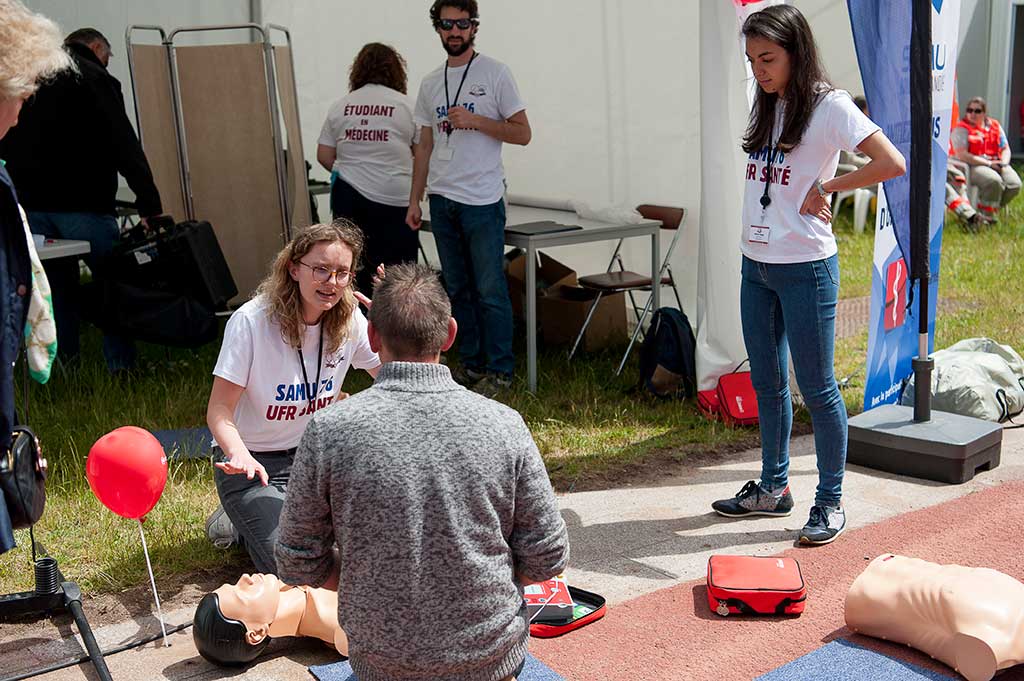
x,y
457,40
770,63
9,110
323,274
252,600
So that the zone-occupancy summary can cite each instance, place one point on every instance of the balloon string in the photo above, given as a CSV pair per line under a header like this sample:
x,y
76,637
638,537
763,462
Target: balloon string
x,y
152,582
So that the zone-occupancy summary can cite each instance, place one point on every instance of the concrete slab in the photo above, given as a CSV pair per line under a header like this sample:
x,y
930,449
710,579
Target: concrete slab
x,y
670,529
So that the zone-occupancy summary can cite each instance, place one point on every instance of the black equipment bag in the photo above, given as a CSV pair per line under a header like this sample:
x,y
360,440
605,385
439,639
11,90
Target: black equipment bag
x,y
668,365
153,316
23,478
183,258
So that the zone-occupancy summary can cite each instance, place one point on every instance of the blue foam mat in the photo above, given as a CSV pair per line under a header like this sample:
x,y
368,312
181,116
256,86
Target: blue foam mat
x,y
185,443
842,660
534,670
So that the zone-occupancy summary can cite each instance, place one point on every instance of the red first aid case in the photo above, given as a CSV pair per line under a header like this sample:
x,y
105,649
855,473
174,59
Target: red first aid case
x,y
587,607
707,403
754,585
736,398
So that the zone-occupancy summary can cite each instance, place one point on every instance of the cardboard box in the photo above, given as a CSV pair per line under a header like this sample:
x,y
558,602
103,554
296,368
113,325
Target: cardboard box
x,y
551,275
561,317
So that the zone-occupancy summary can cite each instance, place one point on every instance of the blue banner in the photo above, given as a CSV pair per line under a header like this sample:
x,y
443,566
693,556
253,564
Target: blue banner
x,y
881,34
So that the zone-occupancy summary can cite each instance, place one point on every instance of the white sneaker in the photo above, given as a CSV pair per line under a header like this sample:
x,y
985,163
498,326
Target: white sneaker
x,y
220,530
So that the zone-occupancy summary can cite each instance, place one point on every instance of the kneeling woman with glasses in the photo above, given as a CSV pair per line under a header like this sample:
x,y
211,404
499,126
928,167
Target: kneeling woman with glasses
x,y
284,356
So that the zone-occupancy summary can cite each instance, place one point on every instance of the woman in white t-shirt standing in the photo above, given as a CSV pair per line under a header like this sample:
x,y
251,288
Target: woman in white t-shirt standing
x,y
284,356
367,142
798,126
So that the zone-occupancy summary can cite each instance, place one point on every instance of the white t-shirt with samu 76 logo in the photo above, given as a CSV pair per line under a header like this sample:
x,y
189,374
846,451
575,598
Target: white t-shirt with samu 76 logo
x,y
780,233
274,408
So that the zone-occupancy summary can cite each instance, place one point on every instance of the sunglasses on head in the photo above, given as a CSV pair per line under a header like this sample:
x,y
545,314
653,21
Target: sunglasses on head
x,y
975,110
449,24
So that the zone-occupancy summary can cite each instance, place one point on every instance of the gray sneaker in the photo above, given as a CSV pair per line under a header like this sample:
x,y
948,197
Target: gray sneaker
x,y
824,525
465,376
753,499
220,530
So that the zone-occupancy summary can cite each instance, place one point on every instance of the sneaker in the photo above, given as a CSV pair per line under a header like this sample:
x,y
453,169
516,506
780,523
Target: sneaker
x,y
755,500
465,376
492,385
824,525
220,530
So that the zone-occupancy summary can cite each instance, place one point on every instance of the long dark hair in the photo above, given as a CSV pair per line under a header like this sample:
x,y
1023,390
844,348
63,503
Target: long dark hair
x,y
785,26
378,64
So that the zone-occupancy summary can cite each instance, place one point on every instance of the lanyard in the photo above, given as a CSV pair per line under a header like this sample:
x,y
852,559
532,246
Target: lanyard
x,y
765,199
319,362
447,101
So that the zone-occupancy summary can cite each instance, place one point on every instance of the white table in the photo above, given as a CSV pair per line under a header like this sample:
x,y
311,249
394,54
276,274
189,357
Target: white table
x,y
62,248
592,231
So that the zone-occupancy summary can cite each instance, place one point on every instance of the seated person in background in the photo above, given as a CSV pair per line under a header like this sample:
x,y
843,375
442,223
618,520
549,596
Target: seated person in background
x,y
234,623
438,500
957,200
970,618
854,160
285,355
366,143
979,141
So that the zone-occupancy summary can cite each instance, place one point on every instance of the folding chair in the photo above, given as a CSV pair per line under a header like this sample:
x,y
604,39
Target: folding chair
x,y
623,281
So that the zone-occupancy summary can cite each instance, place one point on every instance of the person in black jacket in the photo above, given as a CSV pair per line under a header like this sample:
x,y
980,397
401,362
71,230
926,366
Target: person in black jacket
x,y
29,51
72,140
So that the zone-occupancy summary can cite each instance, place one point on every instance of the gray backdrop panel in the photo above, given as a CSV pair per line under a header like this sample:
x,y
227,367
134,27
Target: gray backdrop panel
x,y
231,152
156,124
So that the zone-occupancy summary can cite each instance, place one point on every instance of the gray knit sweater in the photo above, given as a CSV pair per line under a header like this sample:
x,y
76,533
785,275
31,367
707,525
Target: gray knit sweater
x,y
436,498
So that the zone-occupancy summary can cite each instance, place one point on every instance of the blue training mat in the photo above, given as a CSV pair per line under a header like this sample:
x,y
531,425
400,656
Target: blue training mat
x,y
185,443
535,670
842,660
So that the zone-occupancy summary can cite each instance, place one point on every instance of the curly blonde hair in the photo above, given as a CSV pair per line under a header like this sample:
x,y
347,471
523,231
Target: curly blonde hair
x,y
282,292
31,50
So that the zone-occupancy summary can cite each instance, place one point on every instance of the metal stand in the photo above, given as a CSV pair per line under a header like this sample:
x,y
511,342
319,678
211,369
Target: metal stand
x,y
52,595
916,441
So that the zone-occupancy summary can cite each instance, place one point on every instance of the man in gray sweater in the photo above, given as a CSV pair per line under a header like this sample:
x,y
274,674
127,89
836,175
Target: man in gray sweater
x,y
438,501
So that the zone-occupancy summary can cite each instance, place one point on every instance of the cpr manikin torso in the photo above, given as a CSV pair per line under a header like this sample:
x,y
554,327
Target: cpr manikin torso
x,y
268,607
972,619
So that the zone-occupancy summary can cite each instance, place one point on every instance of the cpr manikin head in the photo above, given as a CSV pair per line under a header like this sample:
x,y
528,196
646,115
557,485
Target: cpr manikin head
x,y
972,619
232,624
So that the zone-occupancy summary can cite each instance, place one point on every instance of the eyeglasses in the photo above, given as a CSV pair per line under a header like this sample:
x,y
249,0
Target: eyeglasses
x,y
975,111
449,24
322,275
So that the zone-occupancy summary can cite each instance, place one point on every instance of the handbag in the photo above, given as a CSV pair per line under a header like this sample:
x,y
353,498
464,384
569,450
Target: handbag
x,y
736,398
23,478
755,585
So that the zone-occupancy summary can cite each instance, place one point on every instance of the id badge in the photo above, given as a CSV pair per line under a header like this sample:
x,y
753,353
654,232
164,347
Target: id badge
x,y
758,234
446,151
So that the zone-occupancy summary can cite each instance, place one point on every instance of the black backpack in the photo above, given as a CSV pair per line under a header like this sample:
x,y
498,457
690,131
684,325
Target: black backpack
x,y
668,365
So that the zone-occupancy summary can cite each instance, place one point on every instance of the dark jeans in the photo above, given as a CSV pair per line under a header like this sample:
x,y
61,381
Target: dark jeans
x,y
471,243
797,301
388,239
101,231
255,510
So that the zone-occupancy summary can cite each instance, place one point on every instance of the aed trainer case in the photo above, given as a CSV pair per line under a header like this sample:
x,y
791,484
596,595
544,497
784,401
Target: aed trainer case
x,y
589,607
755,585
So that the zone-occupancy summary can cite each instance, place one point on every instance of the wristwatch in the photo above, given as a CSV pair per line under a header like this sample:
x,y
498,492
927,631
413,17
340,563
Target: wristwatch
x,y
821,188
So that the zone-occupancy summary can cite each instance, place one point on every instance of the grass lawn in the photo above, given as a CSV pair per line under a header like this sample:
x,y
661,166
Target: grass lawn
x,y
590,428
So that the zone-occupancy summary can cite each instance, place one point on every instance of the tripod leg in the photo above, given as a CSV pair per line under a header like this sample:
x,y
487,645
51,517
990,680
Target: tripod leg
x,y
73,601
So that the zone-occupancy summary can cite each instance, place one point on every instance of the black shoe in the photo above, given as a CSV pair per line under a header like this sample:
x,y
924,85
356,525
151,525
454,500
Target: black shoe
x,y
467,376
824,525
492,385
754,500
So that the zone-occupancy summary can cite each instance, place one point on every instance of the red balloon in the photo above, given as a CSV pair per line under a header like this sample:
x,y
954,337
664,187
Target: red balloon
x,y
127,471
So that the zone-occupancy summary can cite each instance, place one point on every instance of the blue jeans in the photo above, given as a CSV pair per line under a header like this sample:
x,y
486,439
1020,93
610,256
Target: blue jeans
x,y
471,243
799,301
102,233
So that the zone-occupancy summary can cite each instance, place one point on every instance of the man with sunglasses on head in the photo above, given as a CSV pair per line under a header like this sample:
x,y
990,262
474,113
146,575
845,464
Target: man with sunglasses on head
x,y
466,109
